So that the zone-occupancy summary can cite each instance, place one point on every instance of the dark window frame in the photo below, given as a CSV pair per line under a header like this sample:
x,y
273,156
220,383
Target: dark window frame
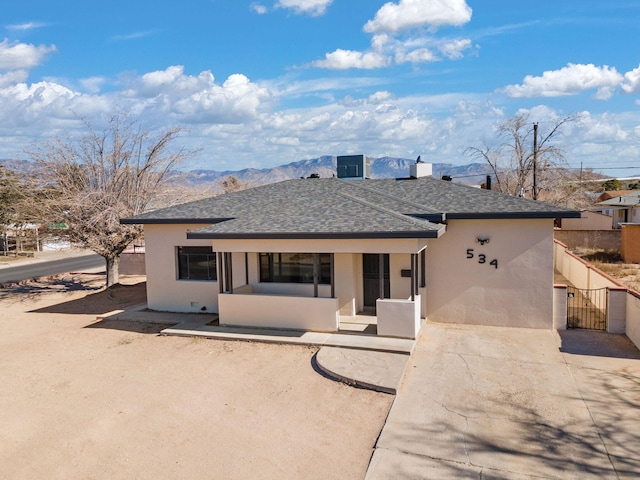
x,y
279,267
196,263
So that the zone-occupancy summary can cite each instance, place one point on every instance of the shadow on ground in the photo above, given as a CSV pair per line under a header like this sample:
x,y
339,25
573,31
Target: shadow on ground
x,y
113,298
131,326
597,343
56,284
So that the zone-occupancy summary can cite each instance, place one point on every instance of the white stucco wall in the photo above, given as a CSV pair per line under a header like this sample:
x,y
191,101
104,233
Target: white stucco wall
x,y
518,293
346,268
398,318
273,311
164,291
633,318
369,245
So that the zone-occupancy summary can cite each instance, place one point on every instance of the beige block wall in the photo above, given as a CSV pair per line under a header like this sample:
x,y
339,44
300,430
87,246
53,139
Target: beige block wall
x,y
164,291
598,239
132,264
631,243
519,293
588,221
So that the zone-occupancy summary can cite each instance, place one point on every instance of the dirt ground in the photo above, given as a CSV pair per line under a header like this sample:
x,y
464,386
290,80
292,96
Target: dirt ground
x,y
113,400
610,262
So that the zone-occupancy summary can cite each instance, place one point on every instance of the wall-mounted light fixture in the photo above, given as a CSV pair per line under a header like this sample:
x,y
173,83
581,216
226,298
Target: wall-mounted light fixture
x,y
482,241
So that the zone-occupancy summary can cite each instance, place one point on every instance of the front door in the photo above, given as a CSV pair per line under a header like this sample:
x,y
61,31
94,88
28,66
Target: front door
x,y
371,279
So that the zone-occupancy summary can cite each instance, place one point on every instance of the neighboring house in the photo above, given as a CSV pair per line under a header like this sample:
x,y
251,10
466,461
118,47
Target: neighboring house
x,y
623,209
309,253
588,221
609,194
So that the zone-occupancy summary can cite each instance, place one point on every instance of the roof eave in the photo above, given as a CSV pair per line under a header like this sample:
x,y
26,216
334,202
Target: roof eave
x,y
512,215
312,235
171,221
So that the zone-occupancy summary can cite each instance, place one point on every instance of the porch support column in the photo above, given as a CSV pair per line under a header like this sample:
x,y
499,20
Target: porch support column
x,y
381,274
220,273
416,271
315,274
333,277
246,268
413,277
228,264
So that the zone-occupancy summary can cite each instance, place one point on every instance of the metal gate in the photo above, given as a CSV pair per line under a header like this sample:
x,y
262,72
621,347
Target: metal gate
x,y
587,308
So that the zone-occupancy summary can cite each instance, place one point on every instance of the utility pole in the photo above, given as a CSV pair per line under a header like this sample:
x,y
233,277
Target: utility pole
x,y
535,161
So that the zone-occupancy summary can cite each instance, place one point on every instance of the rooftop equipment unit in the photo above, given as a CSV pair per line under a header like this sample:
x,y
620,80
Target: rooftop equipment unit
x,y
354,167
420,169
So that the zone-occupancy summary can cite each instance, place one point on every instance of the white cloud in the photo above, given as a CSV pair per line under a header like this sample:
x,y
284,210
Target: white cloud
x,y
379,97
17,56
237,124
311,7
453,49
631,82
387,49
417,55
408,14
258,8
132,36
13,77
569,80
23,27
198,98
93,84
344,59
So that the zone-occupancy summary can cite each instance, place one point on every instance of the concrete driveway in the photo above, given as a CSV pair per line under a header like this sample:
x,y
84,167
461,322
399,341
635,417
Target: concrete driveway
x,y
487,402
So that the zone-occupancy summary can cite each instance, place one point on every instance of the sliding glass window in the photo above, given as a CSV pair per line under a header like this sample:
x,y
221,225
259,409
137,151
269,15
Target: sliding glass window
x,y
196,263
294,267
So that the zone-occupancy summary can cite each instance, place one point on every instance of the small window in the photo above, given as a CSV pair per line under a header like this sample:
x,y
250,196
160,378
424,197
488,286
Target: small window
x,y
294,267
196,263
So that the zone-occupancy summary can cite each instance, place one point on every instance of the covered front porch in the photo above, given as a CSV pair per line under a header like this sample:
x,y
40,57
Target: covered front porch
x,y
331,292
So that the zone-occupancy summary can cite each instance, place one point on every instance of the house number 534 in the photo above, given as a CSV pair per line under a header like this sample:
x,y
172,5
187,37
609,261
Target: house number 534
x,y
482,258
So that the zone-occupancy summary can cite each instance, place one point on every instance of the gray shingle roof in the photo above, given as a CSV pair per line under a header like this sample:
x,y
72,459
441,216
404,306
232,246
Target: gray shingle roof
x,y
623,201
316,208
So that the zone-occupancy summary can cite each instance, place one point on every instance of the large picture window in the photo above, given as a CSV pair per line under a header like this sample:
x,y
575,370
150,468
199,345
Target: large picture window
x,y
294,267
196,263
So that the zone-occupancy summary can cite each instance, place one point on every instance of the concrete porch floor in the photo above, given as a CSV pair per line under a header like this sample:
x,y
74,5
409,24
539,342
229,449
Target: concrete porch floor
x,y
356,332
362,323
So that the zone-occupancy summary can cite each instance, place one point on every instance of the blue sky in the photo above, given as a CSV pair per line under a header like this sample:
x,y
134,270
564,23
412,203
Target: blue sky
x,y
263,83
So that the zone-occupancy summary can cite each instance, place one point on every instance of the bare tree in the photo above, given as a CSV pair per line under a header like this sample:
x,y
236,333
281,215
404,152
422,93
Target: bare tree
x,y
513,158
93,182
11,193
232,184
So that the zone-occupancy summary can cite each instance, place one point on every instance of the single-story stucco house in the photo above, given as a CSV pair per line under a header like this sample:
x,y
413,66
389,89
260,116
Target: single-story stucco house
x,y
623,208
307,253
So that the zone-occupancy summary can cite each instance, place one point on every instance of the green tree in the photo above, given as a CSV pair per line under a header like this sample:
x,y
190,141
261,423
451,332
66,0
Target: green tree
x,y
611,185
92,182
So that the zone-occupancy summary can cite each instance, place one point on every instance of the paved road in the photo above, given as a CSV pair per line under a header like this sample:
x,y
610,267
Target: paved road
x,y
53,267
511,403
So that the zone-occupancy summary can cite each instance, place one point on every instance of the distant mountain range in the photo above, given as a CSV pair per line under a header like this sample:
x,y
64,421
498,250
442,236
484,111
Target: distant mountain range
x,y
325,167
